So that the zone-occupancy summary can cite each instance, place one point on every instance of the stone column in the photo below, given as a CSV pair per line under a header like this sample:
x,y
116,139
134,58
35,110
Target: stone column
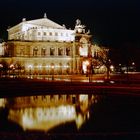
x,y
73,58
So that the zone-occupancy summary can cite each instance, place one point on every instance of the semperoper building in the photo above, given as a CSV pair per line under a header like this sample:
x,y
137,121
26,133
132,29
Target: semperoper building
x,y
44,47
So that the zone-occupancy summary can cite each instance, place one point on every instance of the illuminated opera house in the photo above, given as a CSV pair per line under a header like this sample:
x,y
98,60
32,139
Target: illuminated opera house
x,y
44,47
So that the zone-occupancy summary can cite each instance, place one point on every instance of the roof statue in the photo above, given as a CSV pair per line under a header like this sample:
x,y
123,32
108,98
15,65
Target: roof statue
x,y
45,15
79,27
78,22
24,19
64,26
88,32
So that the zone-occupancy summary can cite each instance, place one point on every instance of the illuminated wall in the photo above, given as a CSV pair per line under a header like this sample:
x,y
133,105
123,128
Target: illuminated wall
x,y
40,30
43,47
1,49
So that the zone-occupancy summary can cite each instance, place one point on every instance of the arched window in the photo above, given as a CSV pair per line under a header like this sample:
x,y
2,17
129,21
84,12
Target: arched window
x,y
52,68
43,51
52,51
68,68
60,51
56,34
35,50
44,34
68,51
60,68
67,35
21,52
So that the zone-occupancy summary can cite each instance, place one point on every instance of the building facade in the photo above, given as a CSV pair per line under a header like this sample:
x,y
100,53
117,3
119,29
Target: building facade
x,y
43,47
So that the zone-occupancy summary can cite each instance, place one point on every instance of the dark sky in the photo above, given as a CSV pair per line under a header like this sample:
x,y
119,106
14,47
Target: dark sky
x,y
112,22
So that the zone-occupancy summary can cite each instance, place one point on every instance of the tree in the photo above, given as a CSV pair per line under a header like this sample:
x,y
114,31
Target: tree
x,y
5,67
103,58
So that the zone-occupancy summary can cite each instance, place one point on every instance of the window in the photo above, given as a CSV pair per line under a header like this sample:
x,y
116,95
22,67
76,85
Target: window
x,y
68,51
52,50
56,34
50,33
35,50
21,51
39,33
43,52
60,51
44,33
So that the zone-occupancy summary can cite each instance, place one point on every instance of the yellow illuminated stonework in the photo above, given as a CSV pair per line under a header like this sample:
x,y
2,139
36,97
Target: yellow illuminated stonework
x,y
43,47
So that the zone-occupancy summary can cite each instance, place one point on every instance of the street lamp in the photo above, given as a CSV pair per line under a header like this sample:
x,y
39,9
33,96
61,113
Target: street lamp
x,y
90,66
30,70
1,67
133,63
112,68
52,72
133,66
87,67
40,69
13,69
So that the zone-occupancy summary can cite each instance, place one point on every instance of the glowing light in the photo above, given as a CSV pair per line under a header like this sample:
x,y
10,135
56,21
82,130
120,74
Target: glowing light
x,y
112,68
30,66
83,97
83,50
40,67
43,118
52,66
98,81
79,121
26,121
85,65
1,66
40,113
112,82
66,66
12,66
133,63
102,67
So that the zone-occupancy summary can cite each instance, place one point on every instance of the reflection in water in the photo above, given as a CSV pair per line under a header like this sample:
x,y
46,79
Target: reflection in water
x,y
2,102
48,111
43,118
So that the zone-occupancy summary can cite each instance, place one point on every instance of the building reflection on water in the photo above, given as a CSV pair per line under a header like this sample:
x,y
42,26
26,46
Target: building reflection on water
x,y
49,111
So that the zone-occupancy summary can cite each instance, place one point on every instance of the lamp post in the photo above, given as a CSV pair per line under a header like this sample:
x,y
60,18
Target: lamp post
x,y
112,68
52,72
89,70
13,69
87,67
133,67
1,67
40,70
90,62
30,70
108,69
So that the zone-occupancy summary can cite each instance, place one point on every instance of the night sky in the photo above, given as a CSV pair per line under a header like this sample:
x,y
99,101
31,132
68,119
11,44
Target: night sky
x,y
113,23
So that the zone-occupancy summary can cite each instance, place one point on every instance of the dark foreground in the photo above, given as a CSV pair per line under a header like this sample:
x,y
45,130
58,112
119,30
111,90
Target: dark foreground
x,y
26,87
115,116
